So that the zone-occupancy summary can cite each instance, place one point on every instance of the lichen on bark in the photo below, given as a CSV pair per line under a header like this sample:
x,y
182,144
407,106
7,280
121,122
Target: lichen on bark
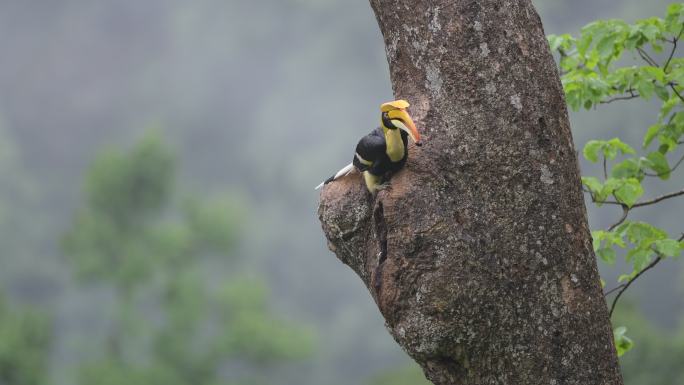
x,y
478,255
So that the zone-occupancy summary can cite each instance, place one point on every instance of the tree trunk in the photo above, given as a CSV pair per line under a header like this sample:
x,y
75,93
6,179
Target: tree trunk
x,y
479,254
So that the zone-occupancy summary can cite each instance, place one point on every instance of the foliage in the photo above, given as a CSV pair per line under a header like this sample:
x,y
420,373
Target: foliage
x,y
596,70
25,337
175,322
18,195
111,238
657,359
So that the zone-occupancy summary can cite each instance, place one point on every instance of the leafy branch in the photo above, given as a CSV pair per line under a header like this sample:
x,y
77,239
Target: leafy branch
x,y
674,48
594,73
632,95
645,203
623,287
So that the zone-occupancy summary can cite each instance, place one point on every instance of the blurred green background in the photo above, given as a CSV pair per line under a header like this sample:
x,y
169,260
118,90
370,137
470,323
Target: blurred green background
x,y
157,213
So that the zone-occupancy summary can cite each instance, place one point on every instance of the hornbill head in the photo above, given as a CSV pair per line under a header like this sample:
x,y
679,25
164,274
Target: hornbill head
x,y
395,116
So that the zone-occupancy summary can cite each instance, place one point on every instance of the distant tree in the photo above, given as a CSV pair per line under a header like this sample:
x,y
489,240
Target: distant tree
x,y
176,320
18,196
26,334
25,338
657,355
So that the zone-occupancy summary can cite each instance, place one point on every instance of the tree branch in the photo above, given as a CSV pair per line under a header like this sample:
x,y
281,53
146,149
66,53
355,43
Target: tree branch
x,y
677,92
605,167
625,209
623,287
674,48
660,198
616,288
632,95
625,213
644,203
628,283
648,59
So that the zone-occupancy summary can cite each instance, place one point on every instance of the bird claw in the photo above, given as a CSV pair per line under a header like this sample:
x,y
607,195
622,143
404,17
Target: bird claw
x,y
382,187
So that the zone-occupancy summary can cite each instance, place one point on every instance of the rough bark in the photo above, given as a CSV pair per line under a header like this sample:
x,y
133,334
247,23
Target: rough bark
x,y
479,255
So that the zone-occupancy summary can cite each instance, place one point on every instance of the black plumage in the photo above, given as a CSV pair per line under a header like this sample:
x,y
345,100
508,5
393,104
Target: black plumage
x,y
373,148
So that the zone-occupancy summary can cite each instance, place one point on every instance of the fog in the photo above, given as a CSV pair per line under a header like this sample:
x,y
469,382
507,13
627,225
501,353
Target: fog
x,y
260,101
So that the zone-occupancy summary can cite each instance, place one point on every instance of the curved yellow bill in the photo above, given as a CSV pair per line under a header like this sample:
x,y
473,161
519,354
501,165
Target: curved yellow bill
x,y
403,120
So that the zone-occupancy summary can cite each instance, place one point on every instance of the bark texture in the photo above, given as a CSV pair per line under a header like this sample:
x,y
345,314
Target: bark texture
x,y
479,254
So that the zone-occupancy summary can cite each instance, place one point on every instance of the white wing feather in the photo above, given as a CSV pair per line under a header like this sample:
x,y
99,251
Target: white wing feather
x,y
346,170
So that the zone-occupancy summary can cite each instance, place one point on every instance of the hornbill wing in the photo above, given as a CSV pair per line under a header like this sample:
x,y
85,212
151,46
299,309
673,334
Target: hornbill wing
x,y
369,150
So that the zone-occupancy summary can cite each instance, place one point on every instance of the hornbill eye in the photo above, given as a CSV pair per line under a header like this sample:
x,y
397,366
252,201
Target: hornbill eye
x,y
387,122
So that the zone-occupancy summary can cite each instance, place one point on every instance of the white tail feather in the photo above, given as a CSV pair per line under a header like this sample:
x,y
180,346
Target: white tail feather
x,y
343,172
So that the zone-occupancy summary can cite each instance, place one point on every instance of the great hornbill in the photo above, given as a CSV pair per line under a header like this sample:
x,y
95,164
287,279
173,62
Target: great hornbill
x,y
385,149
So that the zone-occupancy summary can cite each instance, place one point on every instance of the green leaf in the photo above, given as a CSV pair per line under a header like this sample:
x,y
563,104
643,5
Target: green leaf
x,y
628,168
591,150
651,32
629,192
656,73
637,232
662,92
592,184
585,40
554,41
640,258
614,238
611,185
675,17
610,152
667,107
610,238
651,134
623,344
667,247
634,39
667,144
597,236
645,87
606,46
560,42
611,147
607,255
658,163
626,277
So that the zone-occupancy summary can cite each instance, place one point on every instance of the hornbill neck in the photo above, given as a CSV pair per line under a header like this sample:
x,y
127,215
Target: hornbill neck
x,y
395,139
396,144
